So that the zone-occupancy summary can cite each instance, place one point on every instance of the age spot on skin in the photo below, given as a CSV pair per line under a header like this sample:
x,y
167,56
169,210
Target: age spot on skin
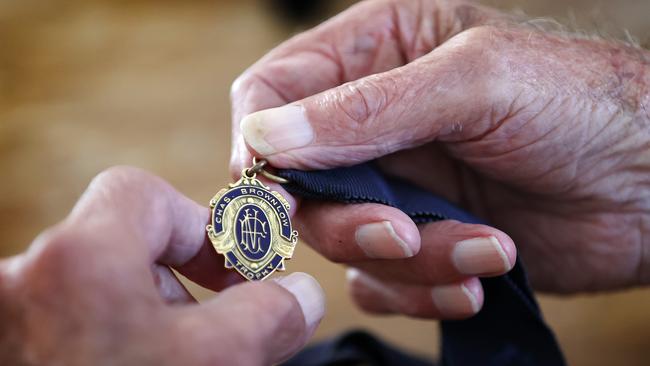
x,y
629,82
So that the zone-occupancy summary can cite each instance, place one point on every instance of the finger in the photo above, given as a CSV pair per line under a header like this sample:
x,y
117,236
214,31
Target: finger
x,y
259,323
348,233
166,227
453,301
371,37
169,287
450,252
426,100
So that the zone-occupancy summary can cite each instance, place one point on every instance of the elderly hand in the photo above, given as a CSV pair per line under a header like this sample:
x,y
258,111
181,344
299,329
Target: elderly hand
x,y
97,289
543,134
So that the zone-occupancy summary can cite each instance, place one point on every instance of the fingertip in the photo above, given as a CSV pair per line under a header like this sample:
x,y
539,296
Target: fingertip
x,y
502,242
395,237
408,232
484,255
379,240
509,248
352,233
351,274
460,300
254,128
309,295
475,289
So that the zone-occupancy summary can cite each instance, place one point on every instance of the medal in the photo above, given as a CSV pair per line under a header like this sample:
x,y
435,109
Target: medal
x,y
250,225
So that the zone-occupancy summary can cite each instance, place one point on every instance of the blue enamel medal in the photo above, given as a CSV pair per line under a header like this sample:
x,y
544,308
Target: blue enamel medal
x,y
250,226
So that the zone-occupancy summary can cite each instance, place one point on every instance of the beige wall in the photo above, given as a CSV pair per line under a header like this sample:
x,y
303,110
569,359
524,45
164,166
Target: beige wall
x,y
89,84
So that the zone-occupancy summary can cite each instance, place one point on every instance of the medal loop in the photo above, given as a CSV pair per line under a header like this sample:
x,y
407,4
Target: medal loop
x,y
258,167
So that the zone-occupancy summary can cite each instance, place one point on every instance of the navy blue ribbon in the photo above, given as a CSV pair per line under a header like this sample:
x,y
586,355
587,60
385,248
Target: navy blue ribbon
x,y
509,330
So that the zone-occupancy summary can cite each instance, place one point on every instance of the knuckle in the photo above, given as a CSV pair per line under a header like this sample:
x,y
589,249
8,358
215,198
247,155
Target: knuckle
x,y
482,36
56,247
57,241
487,49
476,48
120,184
361,102
260,78
241,83
484,57
116,177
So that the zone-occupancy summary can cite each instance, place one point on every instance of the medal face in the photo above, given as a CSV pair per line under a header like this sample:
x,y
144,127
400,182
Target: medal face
x,y
251,228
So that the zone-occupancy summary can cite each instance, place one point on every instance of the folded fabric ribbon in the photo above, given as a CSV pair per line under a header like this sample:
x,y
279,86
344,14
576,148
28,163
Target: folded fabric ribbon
x,y
509,330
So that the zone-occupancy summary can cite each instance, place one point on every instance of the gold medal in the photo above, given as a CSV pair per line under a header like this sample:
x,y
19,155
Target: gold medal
x,y
250,225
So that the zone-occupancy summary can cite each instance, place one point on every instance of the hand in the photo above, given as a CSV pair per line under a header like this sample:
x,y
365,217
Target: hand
x,y
97,289
543,134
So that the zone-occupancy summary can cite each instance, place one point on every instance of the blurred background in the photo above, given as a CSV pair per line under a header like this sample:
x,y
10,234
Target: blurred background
x,y
89,84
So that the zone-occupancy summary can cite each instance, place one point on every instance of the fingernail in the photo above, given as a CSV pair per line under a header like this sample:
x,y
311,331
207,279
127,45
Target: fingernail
x,y
351,274
379,240
457,300
479,256
309,294
277,129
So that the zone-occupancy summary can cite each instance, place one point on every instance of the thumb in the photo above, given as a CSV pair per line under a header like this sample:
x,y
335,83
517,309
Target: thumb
x,y
256,323
448,95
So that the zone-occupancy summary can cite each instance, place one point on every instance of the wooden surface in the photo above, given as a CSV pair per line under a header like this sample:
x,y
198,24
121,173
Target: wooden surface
x,y
89,84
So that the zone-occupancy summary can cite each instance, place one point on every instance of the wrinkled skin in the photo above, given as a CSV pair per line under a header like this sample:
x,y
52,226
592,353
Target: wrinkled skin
x,y
545,135
97,289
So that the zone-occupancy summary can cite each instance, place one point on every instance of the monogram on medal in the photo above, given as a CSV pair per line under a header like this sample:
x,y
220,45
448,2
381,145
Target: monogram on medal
x,y
250,226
